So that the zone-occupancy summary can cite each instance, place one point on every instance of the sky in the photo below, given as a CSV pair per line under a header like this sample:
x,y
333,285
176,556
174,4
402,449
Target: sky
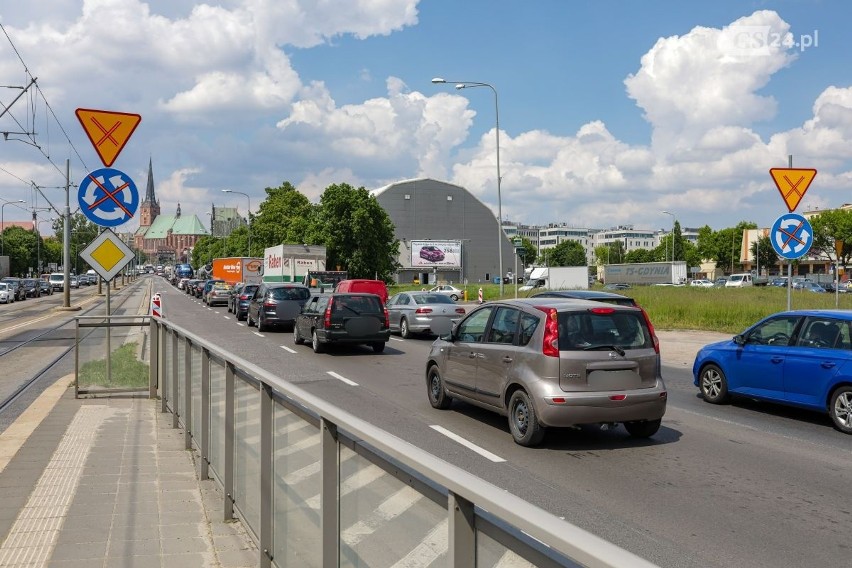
x,y
610,112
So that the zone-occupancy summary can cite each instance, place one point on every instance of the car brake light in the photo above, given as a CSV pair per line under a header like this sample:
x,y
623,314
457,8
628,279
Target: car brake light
x,y
460,311
244,297
327,316
387,318
618,397
423,311
653,333
602,310
269,304
550,343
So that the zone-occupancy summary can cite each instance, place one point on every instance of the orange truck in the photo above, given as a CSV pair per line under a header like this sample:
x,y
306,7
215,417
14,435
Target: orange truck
x,y
238,269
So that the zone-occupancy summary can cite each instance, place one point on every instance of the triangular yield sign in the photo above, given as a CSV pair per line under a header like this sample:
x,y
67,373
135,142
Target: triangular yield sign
x,y
792,183
108,131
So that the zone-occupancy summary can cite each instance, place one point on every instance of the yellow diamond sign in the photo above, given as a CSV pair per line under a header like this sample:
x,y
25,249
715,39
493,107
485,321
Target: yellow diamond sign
x,y
107,254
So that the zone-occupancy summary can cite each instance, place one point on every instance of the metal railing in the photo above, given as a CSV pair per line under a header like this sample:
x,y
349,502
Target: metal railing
x,y
317,486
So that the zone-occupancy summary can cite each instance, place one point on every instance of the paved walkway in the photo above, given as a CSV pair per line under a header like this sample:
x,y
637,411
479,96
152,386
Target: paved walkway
x,y
106,482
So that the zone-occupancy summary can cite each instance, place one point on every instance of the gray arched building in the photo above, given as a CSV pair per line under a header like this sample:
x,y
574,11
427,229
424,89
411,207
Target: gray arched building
x,y
445,233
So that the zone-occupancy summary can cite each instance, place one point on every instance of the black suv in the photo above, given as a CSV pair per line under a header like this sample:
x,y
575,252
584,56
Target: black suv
x,y
329,319
31,288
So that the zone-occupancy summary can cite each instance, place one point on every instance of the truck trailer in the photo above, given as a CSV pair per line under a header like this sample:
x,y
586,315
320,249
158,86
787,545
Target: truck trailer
x,y
237,269
557,278
645,273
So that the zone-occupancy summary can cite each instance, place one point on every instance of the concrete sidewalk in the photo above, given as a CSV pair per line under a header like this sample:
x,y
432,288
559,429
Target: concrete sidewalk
x,y
107,482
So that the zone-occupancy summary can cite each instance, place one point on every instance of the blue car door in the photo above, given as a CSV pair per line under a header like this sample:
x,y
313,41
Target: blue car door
x,y
757,367
822,350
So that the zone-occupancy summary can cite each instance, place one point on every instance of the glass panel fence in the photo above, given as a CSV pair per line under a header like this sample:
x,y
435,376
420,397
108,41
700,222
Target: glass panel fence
x,y
217,419
195,393
246,446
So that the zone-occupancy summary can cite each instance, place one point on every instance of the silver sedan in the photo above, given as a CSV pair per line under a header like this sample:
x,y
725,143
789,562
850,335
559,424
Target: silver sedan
x,y
422,312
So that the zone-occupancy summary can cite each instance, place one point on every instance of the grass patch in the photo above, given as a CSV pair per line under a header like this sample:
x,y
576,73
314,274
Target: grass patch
x,y
727,310
127,370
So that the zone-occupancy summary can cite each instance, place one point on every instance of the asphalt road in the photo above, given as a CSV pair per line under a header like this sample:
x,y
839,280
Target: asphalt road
x,y
742,485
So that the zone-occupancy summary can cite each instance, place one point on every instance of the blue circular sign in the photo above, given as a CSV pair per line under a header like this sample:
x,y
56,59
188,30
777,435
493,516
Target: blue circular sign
x,y
108,197
792,236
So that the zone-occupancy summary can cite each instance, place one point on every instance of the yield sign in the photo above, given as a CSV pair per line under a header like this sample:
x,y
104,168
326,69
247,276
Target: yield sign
x,y
108,131
792,183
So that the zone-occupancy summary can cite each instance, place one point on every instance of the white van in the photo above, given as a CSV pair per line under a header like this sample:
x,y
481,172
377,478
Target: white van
x,y
739,281
57,281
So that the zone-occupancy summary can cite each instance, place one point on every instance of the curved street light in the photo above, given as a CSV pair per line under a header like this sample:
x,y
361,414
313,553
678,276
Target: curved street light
x,y
471,84
3,224
248,215
672,233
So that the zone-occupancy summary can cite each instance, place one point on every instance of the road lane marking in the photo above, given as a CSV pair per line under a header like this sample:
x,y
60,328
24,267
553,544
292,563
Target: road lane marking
x,y
342,378
396,338
468,444
287,349
257,333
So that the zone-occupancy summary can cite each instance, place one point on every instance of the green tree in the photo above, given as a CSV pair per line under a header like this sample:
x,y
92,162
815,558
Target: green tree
x,y
286,216
610,253
766,256
567,253
19,245
527,254
678,249
357,233
640,255
830,226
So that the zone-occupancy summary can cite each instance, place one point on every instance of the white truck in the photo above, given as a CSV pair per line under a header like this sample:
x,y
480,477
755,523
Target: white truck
x,y
557,278
645,273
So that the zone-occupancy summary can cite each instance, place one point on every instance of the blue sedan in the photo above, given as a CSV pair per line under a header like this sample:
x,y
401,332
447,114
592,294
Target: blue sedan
x,y
799,358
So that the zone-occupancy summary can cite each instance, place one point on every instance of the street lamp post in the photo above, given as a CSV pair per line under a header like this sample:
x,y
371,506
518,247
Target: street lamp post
x,y
38,243
3,224
248,215
672,234
470,84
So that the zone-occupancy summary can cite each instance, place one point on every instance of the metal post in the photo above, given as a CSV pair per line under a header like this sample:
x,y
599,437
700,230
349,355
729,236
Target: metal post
x,y
154,367
329,496
266,510
204,474
462,531
108,339
176,410
66,235
228,481
789,263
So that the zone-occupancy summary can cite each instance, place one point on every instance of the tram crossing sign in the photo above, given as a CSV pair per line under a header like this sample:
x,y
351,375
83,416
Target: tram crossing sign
x,y
108,197
791,236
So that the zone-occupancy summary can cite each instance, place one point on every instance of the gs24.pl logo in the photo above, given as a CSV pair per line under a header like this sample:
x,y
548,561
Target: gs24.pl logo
x,y
763,40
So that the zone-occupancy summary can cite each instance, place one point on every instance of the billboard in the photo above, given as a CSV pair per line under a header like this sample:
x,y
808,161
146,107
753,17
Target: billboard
x,y
428,254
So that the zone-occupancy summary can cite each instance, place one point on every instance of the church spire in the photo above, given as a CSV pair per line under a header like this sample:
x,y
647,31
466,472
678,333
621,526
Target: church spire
x,y
149,193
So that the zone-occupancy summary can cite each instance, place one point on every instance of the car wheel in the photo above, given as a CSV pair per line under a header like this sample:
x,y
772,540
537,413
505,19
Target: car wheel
x,y
378,346
438,396
296,338
261,326
240,317
315,343
249,321
404,332
642,428
454,297
523,423
714,385
840,409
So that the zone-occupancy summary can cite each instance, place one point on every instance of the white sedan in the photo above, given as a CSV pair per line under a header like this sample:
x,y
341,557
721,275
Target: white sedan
x,y
703,282
447,290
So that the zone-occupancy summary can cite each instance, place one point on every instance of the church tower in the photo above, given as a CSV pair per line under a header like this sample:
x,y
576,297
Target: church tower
x,y
149,209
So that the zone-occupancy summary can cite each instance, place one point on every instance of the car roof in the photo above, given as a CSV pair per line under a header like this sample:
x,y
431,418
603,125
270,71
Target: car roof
x,y
582,295
561,303
284,284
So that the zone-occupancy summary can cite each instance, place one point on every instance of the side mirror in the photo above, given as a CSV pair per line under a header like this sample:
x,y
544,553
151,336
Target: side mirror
x,y
739,339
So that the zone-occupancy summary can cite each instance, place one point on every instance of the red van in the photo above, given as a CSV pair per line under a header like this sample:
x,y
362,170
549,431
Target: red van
x,y
376,287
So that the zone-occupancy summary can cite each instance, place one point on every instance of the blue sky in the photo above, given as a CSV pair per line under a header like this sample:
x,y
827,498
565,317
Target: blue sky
x,y
610,112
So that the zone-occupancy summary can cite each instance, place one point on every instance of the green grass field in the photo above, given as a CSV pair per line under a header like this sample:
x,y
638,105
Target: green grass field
x,y
727,310
127,370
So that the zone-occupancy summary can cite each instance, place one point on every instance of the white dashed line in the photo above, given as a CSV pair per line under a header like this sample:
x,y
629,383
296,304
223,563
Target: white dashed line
x,y
396,338
468,444
342,378
259,334
287,349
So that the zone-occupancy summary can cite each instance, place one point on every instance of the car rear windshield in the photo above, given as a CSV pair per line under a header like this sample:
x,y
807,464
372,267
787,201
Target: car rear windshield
x,y
357,304
580,331
285,293
433,299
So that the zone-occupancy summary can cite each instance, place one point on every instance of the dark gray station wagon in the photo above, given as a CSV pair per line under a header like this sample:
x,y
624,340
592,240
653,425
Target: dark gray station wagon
x,y
329,319
546,362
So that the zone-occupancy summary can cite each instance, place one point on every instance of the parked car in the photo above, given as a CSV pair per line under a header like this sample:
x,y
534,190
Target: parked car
x,y
16,285
701,282
431,253
811,287
448,290
199,288
57,281
551,362
189,287
337,318
181,285
419,312
799,358
73,282
277,304
208,286
377,287
218,294
31,288
46,290
241,301
720,282
778,282
739,280
235,292
6,296
616,286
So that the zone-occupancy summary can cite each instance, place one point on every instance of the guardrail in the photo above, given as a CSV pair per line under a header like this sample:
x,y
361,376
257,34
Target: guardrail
x,y
317,486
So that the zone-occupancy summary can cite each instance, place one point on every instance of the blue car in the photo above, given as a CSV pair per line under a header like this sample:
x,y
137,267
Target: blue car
x,y
800,358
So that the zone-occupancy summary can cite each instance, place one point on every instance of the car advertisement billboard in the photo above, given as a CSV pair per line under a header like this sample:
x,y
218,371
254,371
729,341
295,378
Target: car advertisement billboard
x,y
436,253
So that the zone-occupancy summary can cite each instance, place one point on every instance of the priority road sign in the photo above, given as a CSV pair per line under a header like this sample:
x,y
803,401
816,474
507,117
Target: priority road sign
x,y
792,183
108,131
107,254
791,236
108,197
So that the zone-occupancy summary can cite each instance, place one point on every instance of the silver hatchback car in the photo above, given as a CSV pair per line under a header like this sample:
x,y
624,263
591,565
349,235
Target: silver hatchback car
x,y
547,362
